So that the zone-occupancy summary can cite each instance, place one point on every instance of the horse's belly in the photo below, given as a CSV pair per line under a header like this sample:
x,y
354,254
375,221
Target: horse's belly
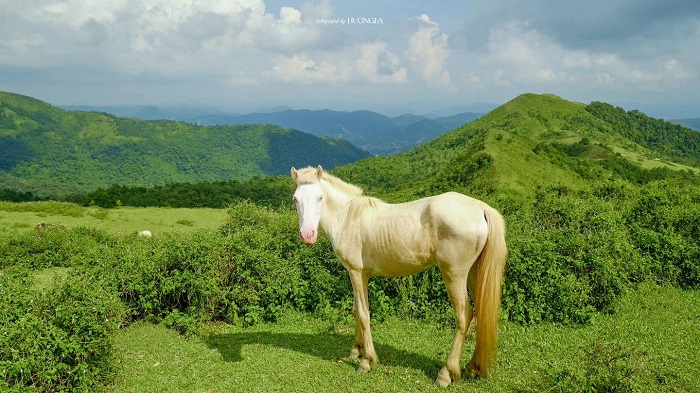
x,y
397,262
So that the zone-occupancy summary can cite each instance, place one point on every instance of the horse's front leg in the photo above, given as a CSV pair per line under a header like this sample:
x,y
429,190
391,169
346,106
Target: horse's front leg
x,y
363,346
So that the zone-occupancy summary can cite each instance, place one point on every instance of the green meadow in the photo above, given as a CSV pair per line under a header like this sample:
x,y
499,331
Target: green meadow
x,y
118,221
649,345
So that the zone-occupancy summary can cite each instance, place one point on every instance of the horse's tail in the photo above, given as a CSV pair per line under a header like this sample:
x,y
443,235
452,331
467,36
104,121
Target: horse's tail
x,y
487,299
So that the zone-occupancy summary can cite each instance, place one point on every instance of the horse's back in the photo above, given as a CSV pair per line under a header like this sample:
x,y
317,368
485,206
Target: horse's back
x,y
458,226
457,212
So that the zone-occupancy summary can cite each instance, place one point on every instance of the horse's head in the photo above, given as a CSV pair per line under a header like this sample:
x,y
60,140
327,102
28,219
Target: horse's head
x,y
308,199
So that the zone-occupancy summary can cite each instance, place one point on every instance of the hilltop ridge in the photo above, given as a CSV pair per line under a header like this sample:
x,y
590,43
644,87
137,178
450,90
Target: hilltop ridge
x,y
529,142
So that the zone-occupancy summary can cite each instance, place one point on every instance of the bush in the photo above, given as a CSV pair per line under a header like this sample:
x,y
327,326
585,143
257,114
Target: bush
x,y
54,247
267,268
246,273
168,273
60,339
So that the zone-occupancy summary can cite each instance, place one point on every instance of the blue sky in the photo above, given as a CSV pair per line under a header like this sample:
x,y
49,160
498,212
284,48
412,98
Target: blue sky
x,y
395,56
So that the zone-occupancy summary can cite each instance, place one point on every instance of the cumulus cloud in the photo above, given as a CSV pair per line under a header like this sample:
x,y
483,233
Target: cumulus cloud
x,y
377,64
290,15
428,50
495,49
166,31
517,54
304,70
366,63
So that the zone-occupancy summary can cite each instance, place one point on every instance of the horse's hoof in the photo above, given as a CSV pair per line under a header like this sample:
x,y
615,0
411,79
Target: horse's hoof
x,y
443,379
364,366
473,369
354,353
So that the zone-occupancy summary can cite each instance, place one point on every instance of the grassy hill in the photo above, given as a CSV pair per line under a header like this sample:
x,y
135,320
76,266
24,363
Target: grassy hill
x,y
51,151
530,142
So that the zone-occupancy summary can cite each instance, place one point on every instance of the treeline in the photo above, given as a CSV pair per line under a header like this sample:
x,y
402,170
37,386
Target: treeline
x,y
9,195
268,191
263,191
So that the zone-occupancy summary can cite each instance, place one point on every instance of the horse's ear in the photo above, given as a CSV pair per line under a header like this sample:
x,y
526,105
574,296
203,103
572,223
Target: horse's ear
x,y
294,173
319,172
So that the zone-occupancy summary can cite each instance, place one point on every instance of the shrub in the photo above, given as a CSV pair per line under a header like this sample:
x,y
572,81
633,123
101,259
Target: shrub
x,y
267,268
171,272
246,273
571,256
60,339
54,247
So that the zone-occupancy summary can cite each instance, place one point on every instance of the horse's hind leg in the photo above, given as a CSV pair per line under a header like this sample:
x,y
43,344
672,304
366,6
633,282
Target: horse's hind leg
x,y
456,283
472,367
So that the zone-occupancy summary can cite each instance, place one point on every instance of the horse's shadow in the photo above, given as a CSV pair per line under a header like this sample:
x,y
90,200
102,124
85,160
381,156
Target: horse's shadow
x,y
329,346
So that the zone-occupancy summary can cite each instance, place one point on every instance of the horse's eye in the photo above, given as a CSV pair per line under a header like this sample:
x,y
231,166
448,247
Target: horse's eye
x,y
320,198
295,199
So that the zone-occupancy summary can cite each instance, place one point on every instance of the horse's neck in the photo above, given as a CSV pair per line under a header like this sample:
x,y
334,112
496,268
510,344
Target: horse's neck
x,y
335,210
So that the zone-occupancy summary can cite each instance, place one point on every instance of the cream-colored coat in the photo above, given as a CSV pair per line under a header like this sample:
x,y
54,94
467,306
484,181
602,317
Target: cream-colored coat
x,y
463,236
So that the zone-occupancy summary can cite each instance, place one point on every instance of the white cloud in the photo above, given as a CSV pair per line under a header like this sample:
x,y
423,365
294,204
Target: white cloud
x,y
525,56
495,50
75,13
519,55
290,15
304,70
428,50
379,65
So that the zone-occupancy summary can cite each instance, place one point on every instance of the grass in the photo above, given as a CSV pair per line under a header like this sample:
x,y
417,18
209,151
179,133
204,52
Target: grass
x,y
119,221
650,344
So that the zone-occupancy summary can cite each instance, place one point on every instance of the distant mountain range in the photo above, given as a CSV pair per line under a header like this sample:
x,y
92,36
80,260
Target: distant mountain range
x,y
690,123
50,151
370,131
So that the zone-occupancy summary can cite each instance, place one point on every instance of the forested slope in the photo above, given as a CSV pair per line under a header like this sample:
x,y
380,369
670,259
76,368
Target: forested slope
x,y
49,151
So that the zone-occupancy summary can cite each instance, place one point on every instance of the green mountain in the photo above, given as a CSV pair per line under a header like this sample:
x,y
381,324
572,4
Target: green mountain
x,y
534,141
50,151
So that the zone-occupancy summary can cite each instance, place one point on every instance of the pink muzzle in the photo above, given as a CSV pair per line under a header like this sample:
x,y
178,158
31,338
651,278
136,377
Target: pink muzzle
x,y
308,235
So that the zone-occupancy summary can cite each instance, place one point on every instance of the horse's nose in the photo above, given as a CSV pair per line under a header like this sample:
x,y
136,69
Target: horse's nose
x,y
308,236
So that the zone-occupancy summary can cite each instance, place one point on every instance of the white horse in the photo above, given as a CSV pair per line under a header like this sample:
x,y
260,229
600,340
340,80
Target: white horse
x,y
463,236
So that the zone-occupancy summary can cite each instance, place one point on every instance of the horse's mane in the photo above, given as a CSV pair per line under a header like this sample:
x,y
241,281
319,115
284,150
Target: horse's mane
x,y
308,175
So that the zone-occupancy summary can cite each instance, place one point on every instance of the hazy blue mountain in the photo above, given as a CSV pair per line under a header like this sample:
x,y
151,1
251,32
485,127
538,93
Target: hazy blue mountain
x,y
693,124
371,131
